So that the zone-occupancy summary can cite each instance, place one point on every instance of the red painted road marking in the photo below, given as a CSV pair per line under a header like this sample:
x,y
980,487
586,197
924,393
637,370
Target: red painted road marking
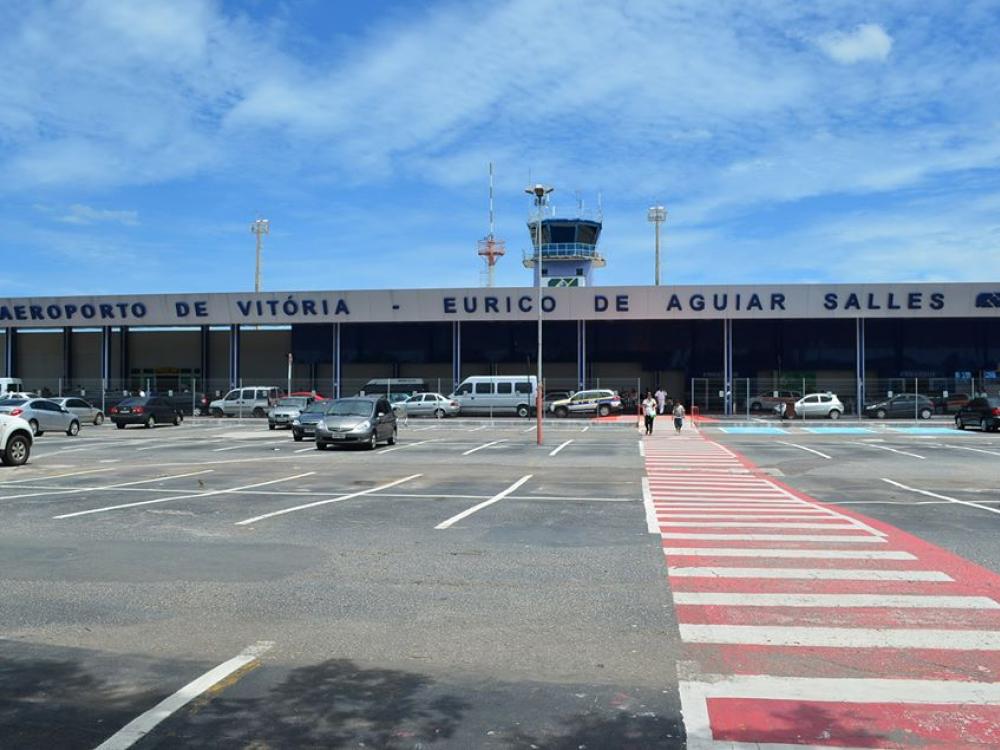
x,y
785,645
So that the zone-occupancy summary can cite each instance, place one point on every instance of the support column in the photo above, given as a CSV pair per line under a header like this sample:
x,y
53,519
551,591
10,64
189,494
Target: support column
x,y
234,355
456,354
205,343
581,355
10,352
123,365
105,356
67,342
727,366
859,365
336,360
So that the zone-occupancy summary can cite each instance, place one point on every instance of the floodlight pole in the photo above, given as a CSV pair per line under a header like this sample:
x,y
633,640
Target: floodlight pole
x,y
260,227
540,194
657,215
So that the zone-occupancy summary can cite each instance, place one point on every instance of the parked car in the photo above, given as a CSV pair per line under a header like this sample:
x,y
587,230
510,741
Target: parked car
x,y
86,411
550,397
497,394
304,425
951,403
767,401
394,389
10,386
286,410
248,401
982,412
15,440
362,420
42,415
599,402
148,411
902,405
426,405
812,405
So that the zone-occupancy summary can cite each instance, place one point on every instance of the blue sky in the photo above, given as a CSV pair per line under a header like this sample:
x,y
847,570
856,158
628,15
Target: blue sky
x,y
790,141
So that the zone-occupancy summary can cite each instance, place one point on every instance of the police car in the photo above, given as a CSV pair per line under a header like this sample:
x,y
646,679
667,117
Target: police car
x,y
600,402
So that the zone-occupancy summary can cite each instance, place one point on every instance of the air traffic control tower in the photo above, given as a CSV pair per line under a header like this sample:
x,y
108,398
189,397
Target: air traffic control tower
x,y
568,247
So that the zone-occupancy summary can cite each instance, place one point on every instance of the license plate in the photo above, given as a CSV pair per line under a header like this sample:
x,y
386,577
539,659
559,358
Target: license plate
x,y
334,436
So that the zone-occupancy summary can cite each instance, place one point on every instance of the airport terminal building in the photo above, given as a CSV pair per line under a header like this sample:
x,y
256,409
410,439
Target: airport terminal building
x,y
707,344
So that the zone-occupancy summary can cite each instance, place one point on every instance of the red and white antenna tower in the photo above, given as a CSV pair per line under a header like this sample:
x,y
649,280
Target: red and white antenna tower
x,y
489,247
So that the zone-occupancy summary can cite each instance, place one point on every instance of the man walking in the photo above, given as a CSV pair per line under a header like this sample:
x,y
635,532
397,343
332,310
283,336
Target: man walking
x,y
661,399
678,416
649,412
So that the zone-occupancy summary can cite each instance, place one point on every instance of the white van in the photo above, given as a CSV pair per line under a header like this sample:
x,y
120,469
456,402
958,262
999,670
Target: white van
x,y
497,394
11,385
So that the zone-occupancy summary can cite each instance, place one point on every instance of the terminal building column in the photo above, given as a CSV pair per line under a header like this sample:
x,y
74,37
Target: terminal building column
x,y
581,355
335,360
727,366
859,367
123,364
10,352
205,343
105,357
456,354
234,355
67,342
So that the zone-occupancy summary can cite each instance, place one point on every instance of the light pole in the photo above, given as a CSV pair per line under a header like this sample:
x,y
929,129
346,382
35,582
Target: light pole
x,y
540,193
260,227
657,215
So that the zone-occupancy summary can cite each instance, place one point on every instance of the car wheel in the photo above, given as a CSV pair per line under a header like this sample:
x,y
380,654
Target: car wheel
x,y
373,441
562,412
297,436
321,446
834,414
925,413
74,429
258,412
959,423
150,422
119,425
99,419
392,438
439,413
33,423
217,413
603,410
270,426
523,411
17,451
880,414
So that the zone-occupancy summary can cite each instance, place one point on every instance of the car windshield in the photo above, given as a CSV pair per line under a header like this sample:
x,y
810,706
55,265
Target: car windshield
x,y
296,403
316,407
135,401
13,401
351,408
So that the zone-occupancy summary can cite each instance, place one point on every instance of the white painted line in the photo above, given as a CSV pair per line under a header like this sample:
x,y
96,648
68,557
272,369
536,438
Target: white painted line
x,y
975,450
181,497
881,601
759,525
496,498
53,476
749,513
304,450
248,445
560,447
585,428
316,504
941,497
776,537
780,635
531,429
480,447
804,554
408,445
804,448
894,450
79,490
642,449
812,574
140,726
652,525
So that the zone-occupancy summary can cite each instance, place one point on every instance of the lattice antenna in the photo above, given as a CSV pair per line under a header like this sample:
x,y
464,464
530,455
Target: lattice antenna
x,y
489,248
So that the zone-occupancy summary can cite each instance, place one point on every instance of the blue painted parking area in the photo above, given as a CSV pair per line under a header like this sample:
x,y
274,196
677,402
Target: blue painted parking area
x,y
927,430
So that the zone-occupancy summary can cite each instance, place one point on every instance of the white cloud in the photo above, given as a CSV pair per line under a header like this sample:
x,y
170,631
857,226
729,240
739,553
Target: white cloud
x,y
868,41
81,214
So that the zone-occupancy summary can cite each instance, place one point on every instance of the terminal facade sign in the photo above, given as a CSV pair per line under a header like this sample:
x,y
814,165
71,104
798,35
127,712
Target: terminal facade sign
x,y
511,304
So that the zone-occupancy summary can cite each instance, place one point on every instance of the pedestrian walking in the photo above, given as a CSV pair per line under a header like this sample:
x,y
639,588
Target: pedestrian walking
x,y
661,399
649,412
678,416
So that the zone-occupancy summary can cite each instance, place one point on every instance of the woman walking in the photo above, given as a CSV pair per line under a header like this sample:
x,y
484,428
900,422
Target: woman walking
x,y
649,411
678,416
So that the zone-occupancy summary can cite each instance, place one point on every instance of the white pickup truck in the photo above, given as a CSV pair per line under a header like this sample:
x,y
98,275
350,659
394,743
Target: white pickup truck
x,y
15,440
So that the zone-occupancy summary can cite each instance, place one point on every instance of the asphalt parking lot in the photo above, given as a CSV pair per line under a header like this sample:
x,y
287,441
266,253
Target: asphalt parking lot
x,y
464,588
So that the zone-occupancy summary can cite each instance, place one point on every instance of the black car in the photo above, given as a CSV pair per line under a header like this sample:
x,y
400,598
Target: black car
x,y
982,412
148,411
902,405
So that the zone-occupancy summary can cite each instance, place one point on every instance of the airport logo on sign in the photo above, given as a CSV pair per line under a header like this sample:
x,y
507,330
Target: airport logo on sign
x,y
988,299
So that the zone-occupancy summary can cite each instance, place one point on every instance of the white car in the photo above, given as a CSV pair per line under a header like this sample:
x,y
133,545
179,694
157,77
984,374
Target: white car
x,y
600,402
426,405
814,405
15,440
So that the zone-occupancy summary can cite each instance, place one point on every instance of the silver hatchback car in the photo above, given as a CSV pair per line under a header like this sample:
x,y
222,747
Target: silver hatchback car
x,y
427,405
86,411
42,415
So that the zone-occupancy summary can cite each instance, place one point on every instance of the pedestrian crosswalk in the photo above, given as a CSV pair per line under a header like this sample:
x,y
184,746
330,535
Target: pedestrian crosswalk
x,y
806,625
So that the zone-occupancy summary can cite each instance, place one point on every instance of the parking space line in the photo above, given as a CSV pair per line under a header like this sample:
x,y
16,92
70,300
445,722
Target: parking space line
x,y
303,450
484,445
976,450
341,498
652,523
249,445
475,508
143,724
407,445
906,601
54,476
531,429
181,497
804,448
941,497
560,447
894,450
78,490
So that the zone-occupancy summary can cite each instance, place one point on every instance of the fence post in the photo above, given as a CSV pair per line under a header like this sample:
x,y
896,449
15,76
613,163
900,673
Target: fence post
x,y
748,399
104,388
194,396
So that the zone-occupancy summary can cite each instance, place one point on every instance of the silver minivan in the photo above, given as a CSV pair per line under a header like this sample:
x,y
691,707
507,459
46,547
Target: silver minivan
x,y
497,394
251,401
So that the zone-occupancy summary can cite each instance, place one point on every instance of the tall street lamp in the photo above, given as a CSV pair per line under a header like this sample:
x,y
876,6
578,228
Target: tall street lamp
x,y
260,227
540,193
657,215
